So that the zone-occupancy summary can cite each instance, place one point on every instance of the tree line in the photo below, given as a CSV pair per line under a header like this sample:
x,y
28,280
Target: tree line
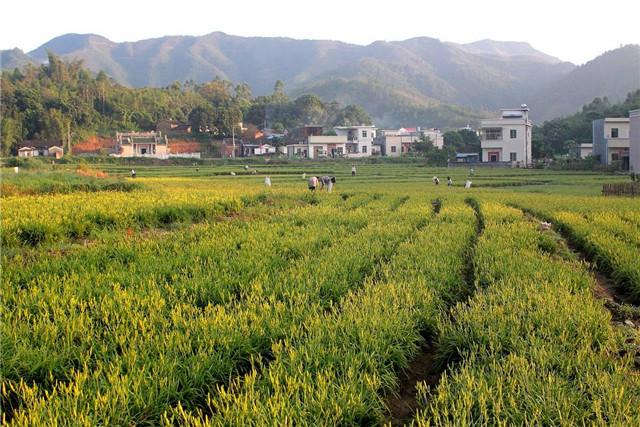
x,y
559,135
63,100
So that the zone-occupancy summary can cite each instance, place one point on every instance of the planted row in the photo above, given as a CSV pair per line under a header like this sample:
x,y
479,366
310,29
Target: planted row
x,y
339,371
153,350
603,233
41,219
532,347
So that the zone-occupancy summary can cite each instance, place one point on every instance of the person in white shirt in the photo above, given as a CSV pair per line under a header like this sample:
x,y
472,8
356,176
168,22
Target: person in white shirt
x,y
313,183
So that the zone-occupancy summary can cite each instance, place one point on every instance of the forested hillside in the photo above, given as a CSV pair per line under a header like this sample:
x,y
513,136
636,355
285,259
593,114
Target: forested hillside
x,y
63,100
557,136
421,81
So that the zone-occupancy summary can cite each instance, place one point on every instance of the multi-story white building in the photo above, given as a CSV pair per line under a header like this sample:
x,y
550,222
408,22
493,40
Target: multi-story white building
x,y
435,136
319,146
508,138
394,142
634,141
611,139
359,139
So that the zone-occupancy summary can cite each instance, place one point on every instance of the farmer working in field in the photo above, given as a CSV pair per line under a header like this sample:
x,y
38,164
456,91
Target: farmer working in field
x,y
313,183
327,181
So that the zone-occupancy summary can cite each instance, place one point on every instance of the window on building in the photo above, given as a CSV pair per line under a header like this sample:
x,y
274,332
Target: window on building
x,y
364,148
513,157
513,134
364,133
492,134
614,132
615,157
394,148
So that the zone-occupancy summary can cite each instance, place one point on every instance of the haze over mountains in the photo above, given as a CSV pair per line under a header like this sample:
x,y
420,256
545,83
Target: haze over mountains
x,y
415,81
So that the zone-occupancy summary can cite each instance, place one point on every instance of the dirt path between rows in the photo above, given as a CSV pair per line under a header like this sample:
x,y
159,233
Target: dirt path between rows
x,y
624,312
424,368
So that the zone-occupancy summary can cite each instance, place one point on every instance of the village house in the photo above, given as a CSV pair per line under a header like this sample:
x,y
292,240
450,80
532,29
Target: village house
x,y
319,146
508,138
611,140
394,143
300,135
359,139
582,151
435,135
308,142
251,150
142,144
634,141
41,148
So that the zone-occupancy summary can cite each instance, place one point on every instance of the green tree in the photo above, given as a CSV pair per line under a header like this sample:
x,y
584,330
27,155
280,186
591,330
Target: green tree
x,y
11,131
202,119
309,109
242,96
279,96
453,139
352,115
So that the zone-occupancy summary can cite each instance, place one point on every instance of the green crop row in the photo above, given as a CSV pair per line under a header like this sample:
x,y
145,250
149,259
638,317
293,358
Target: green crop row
x,y
350,356
602,232
135,350
532,346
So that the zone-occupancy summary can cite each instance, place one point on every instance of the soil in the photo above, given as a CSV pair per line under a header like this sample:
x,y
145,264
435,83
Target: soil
x,y
423,368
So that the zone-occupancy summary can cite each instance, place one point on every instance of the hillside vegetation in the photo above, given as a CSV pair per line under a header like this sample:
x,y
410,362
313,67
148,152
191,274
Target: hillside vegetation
x,y
428,73
65,101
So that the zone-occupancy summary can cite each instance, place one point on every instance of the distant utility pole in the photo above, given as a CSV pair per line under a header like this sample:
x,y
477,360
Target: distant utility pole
x,y
233,140
69,137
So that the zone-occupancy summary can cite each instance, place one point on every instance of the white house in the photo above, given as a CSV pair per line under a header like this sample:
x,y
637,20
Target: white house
x,y
394,143
508,138
28,152
359,139
435,136
634,141
142,144
611,139
250,150
41,147
319,146
582,151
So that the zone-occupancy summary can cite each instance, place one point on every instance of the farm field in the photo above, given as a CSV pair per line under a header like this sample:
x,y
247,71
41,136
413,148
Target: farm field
x,y
191,296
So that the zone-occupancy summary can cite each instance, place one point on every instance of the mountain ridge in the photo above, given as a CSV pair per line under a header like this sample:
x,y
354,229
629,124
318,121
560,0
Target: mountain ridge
x,y
423,72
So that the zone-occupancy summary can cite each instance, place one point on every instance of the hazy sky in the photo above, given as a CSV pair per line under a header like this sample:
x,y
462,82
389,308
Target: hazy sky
x,y
575,31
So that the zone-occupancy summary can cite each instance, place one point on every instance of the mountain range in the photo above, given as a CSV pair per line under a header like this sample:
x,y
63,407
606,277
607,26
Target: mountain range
x,y
412,82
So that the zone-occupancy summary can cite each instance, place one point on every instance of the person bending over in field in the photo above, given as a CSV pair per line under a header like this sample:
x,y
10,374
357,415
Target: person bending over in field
x,y
313,183
327,181
436,180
